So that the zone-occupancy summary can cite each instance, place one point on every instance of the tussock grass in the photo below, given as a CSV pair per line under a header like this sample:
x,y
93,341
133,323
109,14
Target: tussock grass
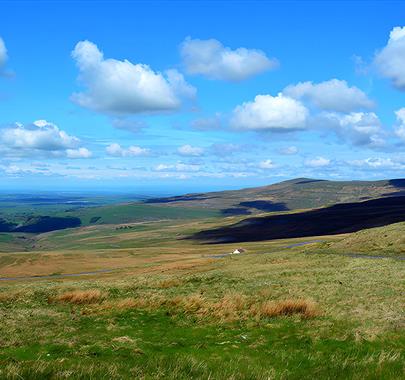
x,y
129,303
170,283
193,303
9,297
80,297
303,307
230,307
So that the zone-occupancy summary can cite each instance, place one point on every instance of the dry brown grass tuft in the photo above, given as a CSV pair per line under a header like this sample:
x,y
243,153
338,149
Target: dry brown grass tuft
x,y
190,304
304,307
9,297
264,292
230,307
170,283
126,303
132,303
236,306
80,297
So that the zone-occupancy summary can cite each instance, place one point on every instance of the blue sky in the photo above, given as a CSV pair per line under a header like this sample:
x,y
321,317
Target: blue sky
x,y
173,97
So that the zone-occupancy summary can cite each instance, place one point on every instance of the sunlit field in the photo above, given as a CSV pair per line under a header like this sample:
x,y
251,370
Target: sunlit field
x,y
171,308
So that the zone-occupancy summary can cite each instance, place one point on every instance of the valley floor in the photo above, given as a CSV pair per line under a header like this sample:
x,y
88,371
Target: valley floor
x,y
174,309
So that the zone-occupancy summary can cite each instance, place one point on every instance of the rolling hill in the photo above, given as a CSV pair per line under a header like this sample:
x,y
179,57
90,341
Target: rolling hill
x,y
283,197
300,193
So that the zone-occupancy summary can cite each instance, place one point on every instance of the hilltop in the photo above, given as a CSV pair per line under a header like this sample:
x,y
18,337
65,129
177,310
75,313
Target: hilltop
x,y
293,195
299,193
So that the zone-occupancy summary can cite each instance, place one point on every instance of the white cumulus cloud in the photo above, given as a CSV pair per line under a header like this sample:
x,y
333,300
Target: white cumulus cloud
x,y
215,61
267,164
378,163
78,153
40,138
400,129
317,162
332,95
116,150
41,135
177,167
121,87
391,59
188,150
179,84
266,112
358,128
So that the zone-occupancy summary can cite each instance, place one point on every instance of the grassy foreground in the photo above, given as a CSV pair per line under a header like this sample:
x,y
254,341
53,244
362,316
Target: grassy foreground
x,y
174,312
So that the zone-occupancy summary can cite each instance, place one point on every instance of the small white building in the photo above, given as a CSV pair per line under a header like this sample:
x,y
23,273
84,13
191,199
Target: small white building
x,y
237,251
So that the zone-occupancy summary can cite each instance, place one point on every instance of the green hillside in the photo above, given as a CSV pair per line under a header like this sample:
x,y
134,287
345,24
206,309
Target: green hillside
x,y
300,193
135,212
382,240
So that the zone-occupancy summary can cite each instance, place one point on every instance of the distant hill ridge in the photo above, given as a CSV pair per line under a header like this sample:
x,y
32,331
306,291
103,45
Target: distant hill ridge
x,y
298,193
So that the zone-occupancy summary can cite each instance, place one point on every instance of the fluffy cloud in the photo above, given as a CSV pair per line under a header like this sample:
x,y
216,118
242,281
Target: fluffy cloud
x,y
116,150
358,128
266,112
332,95
378,163
391,59
400,129
179,84
215,61
3,53
267,164
78,153
317,162
178,167
40,137
121,87
188,150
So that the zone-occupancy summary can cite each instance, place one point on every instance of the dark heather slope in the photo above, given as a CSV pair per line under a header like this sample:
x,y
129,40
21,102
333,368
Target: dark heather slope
x,y
40,224
340,218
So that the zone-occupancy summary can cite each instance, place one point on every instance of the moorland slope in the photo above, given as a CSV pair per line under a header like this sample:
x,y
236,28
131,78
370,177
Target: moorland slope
x,y
337,219
299,193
